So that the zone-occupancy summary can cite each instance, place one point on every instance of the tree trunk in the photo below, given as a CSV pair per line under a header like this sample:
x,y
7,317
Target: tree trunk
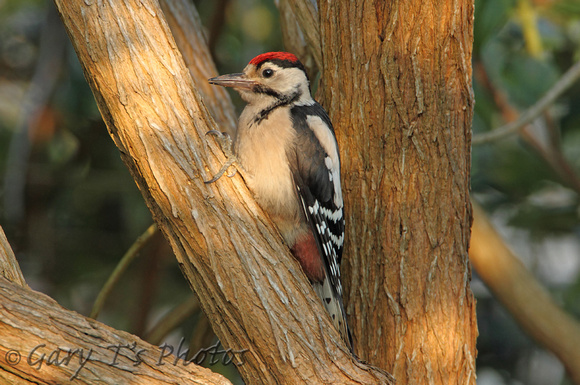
x,y
249,286
397,84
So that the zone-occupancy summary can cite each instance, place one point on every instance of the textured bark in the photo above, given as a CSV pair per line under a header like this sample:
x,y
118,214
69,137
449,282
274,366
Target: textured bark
x,y
294,38
249,286
304,14
184,23
9,267
43,343
397,83
32,324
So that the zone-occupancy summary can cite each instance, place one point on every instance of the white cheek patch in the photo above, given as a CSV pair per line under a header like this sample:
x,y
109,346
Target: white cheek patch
x,y
287,81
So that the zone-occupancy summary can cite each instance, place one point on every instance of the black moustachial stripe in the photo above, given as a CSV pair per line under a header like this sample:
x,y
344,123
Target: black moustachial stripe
x,y
283,100
262,89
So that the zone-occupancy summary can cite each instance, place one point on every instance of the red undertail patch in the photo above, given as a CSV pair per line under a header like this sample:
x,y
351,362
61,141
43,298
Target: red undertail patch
x,y
306,252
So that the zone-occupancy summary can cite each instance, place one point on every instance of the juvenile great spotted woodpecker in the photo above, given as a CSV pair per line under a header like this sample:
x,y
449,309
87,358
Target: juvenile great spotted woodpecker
x,y
286,146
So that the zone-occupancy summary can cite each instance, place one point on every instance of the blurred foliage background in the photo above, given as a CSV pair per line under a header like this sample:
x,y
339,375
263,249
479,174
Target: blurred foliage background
x,y
71,210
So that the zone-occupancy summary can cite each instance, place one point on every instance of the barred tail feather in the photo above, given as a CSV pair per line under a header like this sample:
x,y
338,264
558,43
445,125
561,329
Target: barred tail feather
x,y
334,306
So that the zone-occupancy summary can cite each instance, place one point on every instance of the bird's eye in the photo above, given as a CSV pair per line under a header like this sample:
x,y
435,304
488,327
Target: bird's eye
x,y
267,73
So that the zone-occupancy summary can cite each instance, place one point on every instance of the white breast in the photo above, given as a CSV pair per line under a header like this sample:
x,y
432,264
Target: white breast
x,y
260,148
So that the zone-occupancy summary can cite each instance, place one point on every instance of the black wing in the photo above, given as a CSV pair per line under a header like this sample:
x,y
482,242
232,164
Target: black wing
x,y
316,188
316,175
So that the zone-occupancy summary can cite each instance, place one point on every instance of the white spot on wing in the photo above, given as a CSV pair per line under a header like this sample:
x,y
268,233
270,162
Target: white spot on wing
x,y
334,216
314,208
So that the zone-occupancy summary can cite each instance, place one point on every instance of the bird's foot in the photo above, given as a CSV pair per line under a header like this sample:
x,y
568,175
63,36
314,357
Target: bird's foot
x,y
225,142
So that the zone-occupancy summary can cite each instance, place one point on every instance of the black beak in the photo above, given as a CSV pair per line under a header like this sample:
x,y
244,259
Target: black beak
x,y
237,81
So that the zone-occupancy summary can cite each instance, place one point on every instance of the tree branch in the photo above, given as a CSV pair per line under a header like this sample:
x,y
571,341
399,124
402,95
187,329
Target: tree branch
x,y
9,267
51,54
43,343
565,82
33,324
293,38
306,16
252,290
552,152
526,300
184,22
120,269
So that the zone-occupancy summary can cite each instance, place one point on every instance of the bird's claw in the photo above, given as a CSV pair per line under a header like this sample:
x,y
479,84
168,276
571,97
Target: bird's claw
x,y
224,139
225,142
222,170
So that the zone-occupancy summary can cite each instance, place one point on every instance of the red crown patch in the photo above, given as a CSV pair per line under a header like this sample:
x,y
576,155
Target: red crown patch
x,y
273,56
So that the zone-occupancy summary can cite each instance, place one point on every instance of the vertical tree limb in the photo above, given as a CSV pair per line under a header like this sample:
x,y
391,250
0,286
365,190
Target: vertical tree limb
x,y
405,139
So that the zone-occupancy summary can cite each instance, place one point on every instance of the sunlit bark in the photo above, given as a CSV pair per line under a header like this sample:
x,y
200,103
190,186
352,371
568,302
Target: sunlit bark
x,y
397,83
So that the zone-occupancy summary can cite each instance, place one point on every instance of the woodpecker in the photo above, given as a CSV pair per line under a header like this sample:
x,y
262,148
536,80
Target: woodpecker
x,y
286,147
